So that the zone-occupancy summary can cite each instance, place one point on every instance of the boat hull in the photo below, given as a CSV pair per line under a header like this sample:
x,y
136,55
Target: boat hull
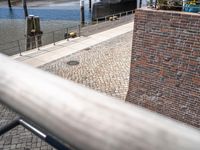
x,y
106,8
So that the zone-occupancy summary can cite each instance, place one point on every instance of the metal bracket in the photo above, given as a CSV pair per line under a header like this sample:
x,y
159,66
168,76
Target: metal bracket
x,y
47,138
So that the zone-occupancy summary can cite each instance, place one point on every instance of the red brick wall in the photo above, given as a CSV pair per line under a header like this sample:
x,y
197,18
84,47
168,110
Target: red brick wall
x,y
165,67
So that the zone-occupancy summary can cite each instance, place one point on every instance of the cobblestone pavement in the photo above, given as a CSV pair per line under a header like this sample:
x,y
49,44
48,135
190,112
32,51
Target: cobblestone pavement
x,y
18,138
103,67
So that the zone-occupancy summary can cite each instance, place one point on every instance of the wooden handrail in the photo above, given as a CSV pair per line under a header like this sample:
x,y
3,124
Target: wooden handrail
x,y
85,119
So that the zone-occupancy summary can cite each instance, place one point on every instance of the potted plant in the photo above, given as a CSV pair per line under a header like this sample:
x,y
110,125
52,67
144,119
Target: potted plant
x,y
170,5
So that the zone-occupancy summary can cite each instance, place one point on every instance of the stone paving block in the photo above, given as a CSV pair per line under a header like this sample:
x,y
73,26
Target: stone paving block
x,y
103,67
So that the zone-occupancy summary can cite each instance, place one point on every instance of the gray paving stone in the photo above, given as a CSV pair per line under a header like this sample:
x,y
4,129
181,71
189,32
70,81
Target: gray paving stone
x,y
103,67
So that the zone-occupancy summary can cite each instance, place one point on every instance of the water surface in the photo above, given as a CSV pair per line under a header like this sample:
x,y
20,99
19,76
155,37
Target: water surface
x,y
65,11
53,17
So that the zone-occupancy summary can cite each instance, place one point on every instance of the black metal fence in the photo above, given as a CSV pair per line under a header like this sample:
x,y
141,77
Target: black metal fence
x,y
86,29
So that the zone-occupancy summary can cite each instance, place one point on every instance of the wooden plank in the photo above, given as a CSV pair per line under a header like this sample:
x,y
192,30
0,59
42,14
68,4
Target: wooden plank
x,y
85,119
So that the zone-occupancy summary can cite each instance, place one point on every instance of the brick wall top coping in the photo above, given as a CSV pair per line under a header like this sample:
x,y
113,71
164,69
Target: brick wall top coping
x,y
168,11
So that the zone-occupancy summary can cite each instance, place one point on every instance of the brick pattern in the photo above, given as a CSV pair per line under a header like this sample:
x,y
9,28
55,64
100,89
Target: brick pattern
x,y
165,67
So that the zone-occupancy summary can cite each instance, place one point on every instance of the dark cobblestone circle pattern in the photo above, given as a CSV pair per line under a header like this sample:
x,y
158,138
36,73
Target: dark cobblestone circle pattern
x,y
73,63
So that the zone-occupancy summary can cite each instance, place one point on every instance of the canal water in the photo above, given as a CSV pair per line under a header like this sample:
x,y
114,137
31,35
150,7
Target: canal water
x,y
53,17
64,11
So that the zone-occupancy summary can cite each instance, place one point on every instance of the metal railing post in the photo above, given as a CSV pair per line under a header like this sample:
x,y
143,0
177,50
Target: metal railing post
x,y
156,4
9,126
79,30
54,39
26,42
97,20
151,3
37,41
46,137
34,42
126,15
20,51
140,4
67,34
